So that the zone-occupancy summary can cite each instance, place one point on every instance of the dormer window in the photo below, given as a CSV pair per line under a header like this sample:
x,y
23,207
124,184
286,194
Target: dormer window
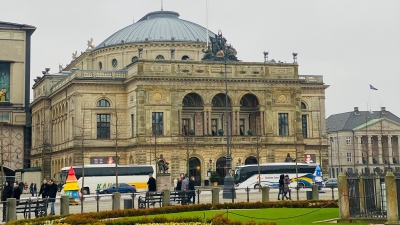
x,y
103,103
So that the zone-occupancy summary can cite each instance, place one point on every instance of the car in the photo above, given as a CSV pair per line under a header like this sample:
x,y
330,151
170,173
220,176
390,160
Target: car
x,y
332,183
122,188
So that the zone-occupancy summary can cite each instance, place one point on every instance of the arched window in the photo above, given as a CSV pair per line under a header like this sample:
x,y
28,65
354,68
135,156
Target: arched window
x,y
160,57
103,103
303,106
185,57
134,58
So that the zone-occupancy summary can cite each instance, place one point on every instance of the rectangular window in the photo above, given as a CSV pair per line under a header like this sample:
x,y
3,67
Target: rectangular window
x,y
304,125
103,126
133,125
5,81
185,127
157,124
348,140
241,127
214,127
349,170
348,156
283,124
362,140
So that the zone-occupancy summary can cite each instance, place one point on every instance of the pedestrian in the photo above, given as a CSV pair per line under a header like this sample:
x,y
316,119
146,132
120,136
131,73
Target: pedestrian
x,y
52,196
178,187
31,190
286,188
44,189
151,183
7,193
16,191
192,193
35,189
21,186
184,188
281,185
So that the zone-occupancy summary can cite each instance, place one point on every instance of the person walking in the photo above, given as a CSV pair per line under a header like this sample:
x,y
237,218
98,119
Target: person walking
x,y
32,189
52,196
184,188
151,183
286,188
16,192
192,190
44,189
7,193
281,185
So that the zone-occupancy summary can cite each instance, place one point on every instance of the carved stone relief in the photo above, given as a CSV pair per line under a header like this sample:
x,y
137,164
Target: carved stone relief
x,y
157,67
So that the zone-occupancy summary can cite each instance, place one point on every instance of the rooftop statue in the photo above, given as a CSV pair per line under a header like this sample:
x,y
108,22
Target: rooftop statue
x,y
218,44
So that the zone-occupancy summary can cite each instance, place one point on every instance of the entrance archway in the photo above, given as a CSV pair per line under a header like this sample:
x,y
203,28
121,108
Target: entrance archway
x,y
221,169
250,160
195,170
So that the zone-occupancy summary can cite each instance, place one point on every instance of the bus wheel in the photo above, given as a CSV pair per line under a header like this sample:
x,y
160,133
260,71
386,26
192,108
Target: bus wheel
x,y
85,191
257,186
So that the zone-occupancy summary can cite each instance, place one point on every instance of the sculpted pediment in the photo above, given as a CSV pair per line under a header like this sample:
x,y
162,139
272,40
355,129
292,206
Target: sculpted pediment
x,y
381,125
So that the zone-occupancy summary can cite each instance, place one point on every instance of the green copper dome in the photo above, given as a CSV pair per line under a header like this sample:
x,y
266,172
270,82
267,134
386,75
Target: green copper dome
x,y
160,26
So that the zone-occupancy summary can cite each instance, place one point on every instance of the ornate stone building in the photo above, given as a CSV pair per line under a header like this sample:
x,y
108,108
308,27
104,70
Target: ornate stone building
x,y
144,92
15,117
363,141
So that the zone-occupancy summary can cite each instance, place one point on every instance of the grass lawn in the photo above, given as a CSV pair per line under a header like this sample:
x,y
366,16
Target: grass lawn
x,y
281,216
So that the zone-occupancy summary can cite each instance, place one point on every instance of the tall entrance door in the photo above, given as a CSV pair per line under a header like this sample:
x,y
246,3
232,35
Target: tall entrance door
x,y
195,170
221,169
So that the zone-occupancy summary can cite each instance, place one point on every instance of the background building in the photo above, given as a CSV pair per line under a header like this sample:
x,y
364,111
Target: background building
x,y
145,91
363,141
15,117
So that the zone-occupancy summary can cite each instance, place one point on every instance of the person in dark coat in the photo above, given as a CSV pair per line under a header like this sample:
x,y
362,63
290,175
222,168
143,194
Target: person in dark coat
x,y
281,186
44,189
179,184
7,193
192,190
16,192
21,186
53,189
151,184
33,189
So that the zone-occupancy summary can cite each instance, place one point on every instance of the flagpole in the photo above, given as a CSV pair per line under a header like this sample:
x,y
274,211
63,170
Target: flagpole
x,y
369,99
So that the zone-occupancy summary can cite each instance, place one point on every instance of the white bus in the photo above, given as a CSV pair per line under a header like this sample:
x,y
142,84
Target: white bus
x,y
247,176
102,176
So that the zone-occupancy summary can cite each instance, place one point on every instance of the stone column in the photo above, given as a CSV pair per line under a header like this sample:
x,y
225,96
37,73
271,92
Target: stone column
x,y
238,122
390,150
380,152
343,191
215,196
391,199
369,150
262,122
265,194
180,121
233,122
11,210
116,199
359,148
205,127
209,122
64,206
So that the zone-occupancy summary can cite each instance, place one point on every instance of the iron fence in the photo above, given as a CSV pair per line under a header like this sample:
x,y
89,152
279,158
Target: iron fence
x,y
367,197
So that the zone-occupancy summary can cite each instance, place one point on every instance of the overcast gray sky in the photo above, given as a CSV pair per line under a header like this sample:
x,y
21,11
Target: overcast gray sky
x,y
351,43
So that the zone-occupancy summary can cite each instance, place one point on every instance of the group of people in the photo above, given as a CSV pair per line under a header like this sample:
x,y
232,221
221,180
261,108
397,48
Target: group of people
x,y
47,190
284,188
184,184
10,192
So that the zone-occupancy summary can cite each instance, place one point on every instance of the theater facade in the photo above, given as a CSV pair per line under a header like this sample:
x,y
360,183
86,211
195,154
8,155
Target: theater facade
x,y
144,92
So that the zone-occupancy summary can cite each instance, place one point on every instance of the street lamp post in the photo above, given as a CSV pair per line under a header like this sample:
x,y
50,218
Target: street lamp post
x,y
229,188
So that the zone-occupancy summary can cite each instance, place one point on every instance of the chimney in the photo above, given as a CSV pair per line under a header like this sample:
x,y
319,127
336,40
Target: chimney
x,y
356,111
383,110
